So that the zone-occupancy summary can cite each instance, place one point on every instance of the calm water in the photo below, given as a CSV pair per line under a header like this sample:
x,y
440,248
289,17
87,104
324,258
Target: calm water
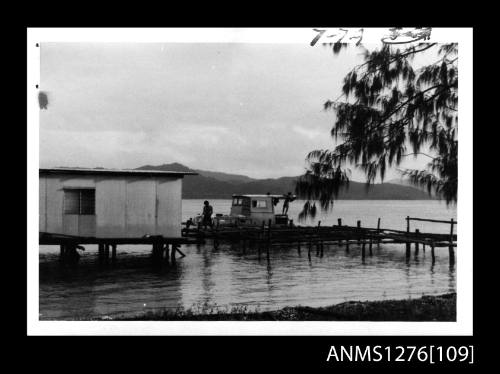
x,y
231,276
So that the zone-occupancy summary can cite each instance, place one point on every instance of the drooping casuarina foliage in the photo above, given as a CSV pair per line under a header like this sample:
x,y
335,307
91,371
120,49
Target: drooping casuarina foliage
x,y
391,110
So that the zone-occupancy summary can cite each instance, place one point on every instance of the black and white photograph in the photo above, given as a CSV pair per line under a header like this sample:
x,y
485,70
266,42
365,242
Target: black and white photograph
x,y
232,175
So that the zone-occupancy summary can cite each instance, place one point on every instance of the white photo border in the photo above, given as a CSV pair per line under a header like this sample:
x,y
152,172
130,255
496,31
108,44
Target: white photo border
x,y
463,325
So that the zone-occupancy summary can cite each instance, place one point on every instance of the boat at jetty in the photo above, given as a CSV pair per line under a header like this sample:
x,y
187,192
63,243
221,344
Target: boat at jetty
x,y
251,210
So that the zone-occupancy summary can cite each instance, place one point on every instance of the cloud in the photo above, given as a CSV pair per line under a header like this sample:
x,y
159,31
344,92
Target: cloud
x,y
309,133
254,109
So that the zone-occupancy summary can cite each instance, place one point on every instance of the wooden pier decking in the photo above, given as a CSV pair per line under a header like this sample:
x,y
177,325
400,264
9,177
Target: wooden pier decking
x,y
107,247
266,236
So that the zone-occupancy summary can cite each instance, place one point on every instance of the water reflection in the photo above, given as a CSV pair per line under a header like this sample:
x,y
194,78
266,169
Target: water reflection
x,y
206,273
232,275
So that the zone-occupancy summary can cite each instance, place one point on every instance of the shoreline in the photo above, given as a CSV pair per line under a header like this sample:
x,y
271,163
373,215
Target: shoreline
x,y
426,308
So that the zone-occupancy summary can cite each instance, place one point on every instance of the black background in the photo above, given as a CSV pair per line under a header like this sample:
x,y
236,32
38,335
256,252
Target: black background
x,y
234,354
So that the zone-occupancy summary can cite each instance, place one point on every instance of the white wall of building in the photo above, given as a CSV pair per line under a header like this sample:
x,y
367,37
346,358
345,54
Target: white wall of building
x,y
125,206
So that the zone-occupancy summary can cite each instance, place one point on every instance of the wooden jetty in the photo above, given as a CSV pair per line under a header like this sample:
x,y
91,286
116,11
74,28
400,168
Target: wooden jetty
x,y
266,236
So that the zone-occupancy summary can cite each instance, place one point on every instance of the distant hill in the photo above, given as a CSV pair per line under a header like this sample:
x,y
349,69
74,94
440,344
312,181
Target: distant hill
x,y
218,185
406,182
166,167
225,177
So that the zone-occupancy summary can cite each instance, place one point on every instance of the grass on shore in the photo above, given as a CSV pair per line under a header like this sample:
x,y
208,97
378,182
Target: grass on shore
x,y
426,308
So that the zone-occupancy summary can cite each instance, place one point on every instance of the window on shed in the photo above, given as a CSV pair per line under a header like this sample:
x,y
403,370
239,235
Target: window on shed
x,y
259,203
79,201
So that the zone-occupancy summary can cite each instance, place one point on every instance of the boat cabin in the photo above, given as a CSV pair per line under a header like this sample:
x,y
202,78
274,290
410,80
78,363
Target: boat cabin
x,y
256,209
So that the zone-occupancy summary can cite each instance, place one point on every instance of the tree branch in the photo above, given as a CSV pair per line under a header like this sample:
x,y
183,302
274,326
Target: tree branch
x,y
419,153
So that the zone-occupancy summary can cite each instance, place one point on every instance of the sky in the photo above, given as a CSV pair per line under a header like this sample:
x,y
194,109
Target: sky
x,y
252,109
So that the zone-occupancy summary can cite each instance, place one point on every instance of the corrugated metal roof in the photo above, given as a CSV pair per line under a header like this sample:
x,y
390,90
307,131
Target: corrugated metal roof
x,y
122,172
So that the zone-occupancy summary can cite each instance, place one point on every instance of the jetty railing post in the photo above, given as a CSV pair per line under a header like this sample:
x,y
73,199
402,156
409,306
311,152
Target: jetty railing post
x,y
318,245
359,226
450,248
378,230
408,244
417,232
363,253
339,221
268,237
309,249
262,234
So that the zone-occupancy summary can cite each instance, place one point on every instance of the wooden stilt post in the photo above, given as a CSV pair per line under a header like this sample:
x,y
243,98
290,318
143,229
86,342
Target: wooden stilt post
x,y
113,252
165,249
450,248
432,252
101,251
370,246
154,252
106,251
172,253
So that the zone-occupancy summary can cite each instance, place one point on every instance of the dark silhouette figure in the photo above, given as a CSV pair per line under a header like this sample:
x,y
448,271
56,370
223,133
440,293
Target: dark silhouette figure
x,y
274,199
207,215
288,199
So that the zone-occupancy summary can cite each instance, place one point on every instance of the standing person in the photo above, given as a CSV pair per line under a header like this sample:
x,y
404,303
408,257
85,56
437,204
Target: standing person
x,y
288,199
207,214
